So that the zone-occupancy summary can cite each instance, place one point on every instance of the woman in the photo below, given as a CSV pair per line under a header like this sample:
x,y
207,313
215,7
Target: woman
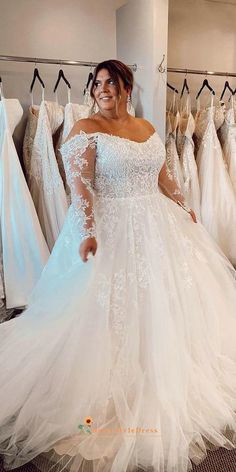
x,y
126,359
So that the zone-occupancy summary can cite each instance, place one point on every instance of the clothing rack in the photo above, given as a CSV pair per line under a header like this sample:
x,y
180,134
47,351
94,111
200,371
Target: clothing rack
x,y
38,60
200,72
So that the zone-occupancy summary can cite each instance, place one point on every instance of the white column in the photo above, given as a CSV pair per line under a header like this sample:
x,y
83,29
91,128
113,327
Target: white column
x,y
142,30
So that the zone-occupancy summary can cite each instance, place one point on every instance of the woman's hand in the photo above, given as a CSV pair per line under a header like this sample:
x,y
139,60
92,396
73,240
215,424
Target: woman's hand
x,y
87,246
193,216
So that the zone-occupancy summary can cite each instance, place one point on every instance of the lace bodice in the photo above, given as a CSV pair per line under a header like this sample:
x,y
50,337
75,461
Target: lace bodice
x,y
110,167
185,131
123,168
30,132
44,168
172,121
212,114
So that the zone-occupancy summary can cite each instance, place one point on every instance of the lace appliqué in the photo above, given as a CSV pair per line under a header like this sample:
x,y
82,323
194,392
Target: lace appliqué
x,y
125,168
43,167
79,164
170,187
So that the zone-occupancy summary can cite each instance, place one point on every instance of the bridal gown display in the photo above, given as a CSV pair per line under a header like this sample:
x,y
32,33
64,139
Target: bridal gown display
x,y
172,122
131,342
2,291
185,147
218,199
24,250
72,113
227,134
30,132
45,182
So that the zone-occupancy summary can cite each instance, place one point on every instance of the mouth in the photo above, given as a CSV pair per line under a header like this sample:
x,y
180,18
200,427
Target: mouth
x,y
105,98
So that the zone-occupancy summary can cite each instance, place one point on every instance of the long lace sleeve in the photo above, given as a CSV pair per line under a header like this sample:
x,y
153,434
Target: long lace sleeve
x,y
79,154
170,187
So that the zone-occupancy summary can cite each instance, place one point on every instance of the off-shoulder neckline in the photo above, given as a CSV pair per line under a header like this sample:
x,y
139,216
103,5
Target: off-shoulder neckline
x,y
111,136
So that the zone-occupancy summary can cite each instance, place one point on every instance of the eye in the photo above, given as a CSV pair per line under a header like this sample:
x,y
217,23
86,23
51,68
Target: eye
x,y
111,82
96,84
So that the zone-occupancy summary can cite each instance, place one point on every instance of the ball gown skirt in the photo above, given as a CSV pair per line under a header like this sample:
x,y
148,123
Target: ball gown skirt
x,y
140,340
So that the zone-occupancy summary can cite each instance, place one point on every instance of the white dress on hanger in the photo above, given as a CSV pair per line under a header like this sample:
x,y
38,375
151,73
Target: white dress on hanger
x,y
133,339
2,290
45,181
173,162
24,249
227,135
72,113
185,147
30,131
218,200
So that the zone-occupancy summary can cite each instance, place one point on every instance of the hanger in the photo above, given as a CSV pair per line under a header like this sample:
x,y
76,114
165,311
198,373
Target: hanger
x,y
61,76
226,86
36,76
90,78
185,87
172,88
205,84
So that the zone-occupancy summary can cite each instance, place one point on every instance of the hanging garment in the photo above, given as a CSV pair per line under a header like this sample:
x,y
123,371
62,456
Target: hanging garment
x,y
173,162
218,117
24,249
185,147
218,200
131,339
30,132
45,182
72,113
227,135
2,290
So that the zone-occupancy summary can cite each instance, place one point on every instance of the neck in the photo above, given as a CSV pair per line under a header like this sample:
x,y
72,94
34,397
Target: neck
x,y
120,115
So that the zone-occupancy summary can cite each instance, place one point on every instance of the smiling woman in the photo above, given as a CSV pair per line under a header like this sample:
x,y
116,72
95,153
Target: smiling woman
x,y
161,354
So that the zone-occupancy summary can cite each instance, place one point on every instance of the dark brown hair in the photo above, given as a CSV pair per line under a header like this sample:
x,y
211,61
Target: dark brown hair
x,y
116,69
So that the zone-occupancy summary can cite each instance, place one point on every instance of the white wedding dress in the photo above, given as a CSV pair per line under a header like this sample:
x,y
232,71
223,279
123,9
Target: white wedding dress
x,y
30,131
172,123
185,147
227,134
24,250
72,113
218,199
131,339
45,182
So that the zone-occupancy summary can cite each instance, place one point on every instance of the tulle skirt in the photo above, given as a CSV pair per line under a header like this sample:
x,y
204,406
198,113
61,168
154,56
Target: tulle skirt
x,y
218,199
128,360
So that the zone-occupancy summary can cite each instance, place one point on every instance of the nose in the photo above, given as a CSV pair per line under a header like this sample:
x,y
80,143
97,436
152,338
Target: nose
x,y
103,87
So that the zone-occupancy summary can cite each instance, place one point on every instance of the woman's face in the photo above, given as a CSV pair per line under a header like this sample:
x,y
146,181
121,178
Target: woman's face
x,y
106,93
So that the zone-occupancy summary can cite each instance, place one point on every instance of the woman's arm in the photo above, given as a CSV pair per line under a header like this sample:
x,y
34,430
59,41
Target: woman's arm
x,y
171,189
79,153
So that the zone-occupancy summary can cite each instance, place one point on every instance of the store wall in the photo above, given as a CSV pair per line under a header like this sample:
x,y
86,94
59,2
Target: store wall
x,y
57,29
142,27
202,36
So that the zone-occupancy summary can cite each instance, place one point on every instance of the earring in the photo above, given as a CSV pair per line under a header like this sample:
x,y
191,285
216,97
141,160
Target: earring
x,y
129,104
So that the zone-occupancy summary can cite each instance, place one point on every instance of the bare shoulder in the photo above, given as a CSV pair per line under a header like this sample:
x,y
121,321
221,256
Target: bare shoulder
x,y
87,125
145,123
